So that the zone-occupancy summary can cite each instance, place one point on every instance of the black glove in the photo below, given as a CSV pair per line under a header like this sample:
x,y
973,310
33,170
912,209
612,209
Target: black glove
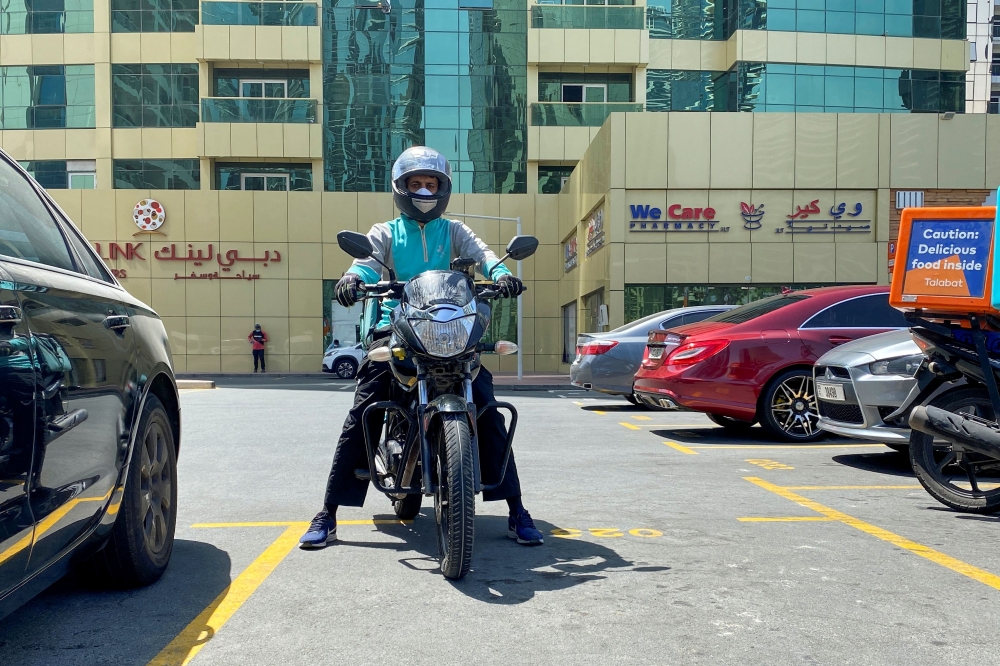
x,y
508,286
347,289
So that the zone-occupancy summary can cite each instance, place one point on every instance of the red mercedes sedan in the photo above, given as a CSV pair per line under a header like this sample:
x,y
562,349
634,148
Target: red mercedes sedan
x,y
754,364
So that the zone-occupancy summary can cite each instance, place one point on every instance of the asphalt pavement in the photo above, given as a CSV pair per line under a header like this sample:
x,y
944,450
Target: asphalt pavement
x,y
668,541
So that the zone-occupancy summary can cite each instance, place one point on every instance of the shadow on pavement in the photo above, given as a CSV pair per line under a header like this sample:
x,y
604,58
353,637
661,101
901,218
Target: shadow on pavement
x,y
73,623
504,572
889,462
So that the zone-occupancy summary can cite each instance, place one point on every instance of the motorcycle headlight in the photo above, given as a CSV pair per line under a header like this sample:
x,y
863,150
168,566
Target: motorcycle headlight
x,y
444,338
904,365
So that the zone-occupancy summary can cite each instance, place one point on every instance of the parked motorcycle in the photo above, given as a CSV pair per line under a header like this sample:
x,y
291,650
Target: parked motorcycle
x,y
428,442
955,441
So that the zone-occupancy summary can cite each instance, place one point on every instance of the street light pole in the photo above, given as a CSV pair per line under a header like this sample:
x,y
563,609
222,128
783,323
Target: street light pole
x,y
520,314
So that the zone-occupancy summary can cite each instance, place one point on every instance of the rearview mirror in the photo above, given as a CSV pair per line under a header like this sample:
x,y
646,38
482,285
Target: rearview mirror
x,y
355,244
521,247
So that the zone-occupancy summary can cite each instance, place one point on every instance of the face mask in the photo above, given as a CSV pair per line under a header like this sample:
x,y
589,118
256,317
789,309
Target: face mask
x,y
424,205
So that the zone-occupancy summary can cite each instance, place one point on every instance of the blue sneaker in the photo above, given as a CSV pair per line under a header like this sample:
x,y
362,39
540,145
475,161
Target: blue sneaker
x,y
522,528
322,530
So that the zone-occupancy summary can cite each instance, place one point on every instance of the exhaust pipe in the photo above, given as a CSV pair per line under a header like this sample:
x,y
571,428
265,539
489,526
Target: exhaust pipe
x,y
969,432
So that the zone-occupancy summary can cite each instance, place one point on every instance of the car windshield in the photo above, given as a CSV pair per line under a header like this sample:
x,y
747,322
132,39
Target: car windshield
x,y
753,310
439,288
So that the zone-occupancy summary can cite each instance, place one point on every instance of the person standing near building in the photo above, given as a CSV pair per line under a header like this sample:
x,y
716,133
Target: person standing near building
x,y
258,339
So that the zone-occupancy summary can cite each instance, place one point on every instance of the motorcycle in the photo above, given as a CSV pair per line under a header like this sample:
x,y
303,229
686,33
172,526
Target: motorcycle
x,y
428,444
955,439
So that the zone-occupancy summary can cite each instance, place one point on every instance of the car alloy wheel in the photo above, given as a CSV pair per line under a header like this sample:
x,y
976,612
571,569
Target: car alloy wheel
x,y
344,369
794,408
155,482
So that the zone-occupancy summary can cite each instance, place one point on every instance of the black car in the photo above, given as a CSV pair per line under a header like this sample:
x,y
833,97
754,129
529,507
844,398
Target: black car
x,y
89,416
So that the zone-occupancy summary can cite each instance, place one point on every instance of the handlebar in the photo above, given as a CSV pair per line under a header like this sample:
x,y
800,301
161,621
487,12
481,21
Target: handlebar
x,y
394,288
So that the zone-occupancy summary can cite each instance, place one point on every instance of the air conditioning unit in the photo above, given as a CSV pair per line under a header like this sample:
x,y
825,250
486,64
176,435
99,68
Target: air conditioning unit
x,y
909,199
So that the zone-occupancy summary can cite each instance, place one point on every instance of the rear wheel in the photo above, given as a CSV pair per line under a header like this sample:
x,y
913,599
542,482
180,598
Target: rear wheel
x,y
788,409
455,499
142,539
954,478
729,423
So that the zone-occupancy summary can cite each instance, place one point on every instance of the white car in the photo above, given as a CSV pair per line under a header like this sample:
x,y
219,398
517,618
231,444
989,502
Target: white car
x,y
343,361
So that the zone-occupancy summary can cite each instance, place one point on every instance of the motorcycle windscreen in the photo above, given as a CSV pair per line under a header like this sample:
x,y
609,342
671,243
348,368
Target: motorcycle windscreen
x,y
439,288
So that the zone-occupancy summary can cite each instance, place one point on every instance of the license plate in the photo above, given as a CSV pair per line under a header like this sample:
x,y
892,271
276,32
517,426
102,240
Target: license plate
x,y
830,391
655,352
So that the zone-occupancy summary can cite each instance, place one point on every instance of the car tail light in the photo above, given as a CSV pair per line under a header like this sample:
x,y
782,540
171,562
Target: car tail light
x,y
596,348
695,352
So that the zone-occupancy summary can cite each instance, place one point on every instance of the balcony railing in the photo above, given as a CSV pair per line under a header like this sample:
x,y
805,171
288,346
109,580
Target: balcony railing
x,y
593,16
577,114
259,13
244,110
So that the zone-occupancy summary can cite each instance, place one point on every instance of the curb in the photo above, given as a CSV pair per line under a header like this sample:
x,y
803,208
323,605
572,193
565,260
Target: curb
x,y
195,384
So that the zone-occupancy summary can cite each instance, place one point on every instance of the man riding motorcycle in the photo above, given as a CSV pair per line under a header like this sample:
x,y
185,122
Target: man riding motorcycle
x,y
418,240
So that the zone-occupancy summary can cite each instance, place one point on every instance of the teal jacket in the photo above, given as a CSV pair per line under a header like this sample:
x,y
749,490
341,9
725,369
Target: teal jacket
x,y
411,248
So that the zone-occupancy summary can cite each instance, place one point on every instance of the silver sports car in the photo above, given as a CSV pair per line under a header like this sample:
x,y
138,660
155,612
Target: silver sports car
x,y
860,383
607,362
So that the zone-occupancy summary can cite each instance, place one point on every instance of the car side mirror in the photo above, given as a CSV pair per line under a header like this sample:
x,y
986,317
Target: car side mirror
x,y
355,244
521,247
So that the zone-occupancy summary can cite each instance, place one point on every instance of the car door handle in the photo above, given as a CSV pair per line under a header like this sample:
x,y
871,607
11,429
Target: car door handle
x,y
10,314
117,322
839,339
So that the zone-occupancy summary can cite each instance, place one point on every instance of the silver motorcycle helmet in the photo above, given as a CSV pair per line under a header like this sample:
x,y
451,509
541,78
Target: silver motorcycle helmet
x,y
421,206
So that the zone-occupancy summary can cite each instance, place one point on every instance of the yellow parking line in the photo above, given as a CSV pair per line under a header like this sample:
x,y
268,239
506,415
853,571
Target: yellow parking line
x,y
577,403
637,417
682,449
598,412
785,519
788,446
630,426
947,561
682,425
913,487
204,628
380,521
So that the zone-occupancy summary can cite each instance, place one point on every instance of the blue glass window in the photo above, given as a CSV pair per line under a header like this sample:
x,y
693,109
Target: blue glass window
x,y
156,174
47,96
154,95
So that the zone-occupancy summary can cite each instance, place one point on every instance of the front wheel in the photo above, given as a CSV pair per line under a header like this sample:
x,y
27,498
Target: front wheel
x,y
788,409
455,498
951,479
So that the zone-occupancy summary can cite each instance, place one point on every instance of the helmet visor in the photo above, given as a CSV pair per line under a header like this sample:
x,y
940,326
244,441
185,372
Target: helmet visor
x,y
420,160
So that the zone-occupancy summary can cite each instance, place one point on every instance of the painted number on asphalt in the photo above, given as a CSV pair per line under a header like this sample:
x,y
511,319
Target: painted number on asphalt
x,y
605,532
768,464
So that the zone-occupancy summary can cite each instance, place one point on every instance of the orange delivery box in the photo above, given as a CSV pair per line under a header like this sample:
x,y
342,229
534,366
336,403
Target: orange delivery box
x,y
944,260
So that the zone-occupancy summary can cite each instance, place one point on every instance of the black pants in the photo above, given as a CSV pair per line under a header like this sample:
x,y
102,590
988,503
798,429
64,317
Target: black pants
x,y
258,355
374,383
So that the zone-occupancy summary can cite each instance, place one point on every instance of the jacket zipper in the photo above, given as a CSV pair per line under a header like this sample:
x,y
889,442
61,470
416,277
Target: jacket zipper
x,y
423,239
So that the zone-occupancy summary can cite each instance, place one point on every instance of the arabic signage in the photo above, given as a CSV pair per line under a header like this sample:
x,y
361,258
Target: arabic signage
x,y
947,258
595,232
844,218
226,261
569,255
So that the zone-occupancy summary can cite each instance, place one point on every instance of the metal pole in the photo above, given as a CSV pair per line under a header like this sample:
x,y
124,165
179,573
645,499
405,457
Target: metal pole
x,y
520,318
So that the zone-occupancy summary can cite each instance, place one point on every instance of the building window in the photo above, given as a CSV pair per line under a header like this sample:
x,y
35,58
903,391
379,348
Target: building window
x,y
263,176
261,83
568,87
63,174
600,18
552,178
456,80
50,96
692,19
944,19
569,332
258,13
642,300
154,15
157,174
36,17
798,88
149,95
